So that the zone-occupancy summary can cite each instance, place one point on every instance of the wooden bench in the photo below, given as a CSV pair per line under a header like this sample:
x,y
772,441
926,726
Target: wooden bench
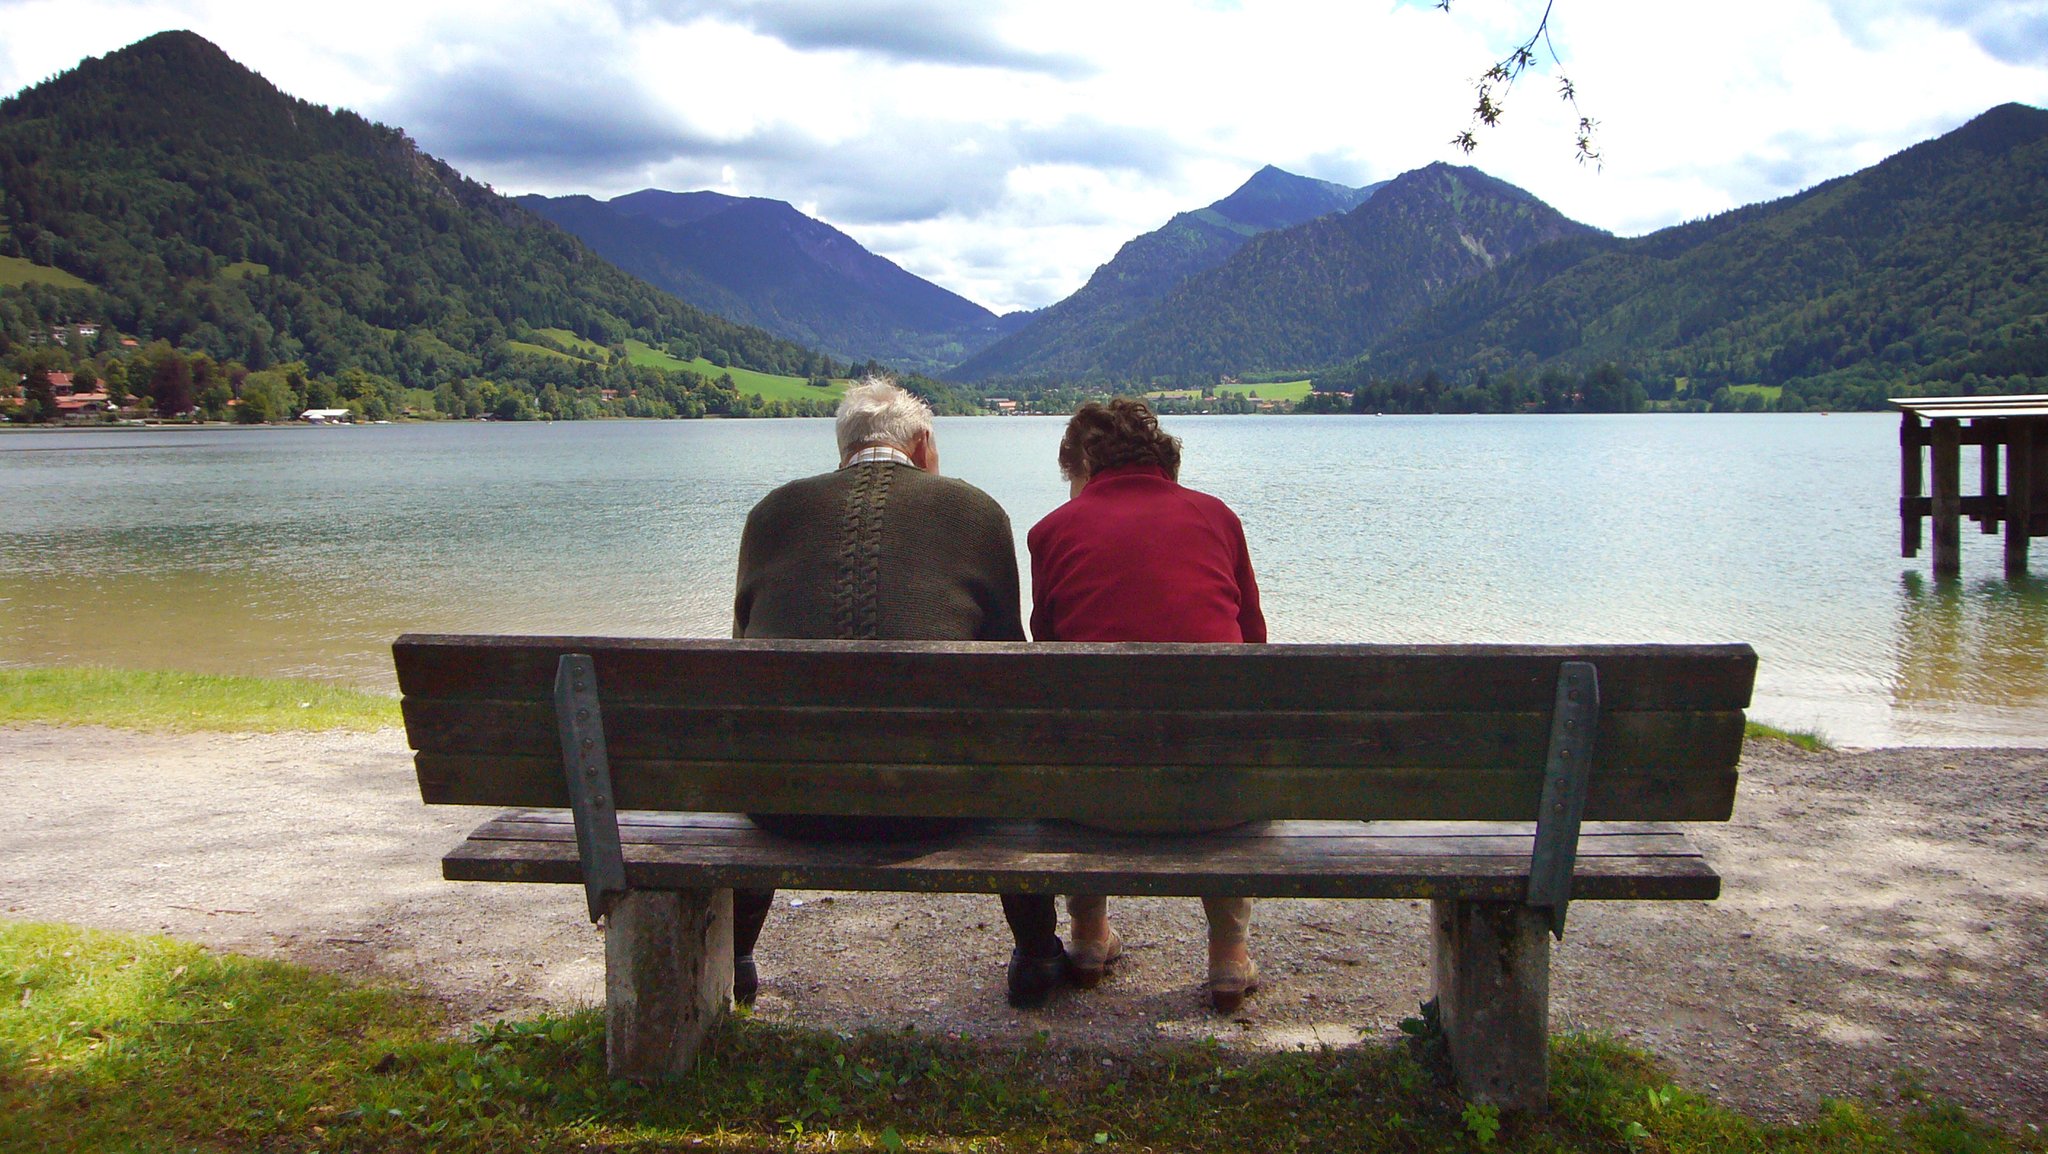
x,y
1454,773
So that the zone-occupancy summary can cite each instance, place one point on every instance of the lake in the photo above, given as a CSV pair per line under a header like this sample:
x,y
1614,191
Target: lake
x,y
304,551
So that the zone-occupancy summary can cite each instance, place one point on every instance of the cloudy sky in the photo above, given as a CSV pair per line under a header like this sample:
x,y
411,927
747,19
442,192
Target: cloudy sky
x,y
1004,149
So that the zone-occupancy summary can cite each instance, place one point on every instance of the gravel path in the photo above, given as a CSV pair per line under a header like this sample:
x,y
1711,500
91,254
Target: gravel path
x,y
1883,910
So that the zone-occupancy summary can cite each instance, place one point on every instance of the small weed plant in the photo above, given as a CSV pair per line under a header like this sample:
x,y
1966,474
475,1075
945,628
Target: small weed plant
x,y
1810,740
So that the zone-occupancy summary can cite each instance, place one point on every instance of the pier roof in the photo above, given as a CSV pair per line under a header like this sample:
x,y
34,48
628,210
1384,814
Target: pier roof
x,y
2031,405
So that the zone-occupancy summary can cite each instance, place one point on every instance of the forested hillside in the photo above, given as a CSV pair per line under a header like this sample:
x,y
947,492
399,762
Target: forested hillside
x,y
761,262
1925,273
1063,340
1311,295
207,209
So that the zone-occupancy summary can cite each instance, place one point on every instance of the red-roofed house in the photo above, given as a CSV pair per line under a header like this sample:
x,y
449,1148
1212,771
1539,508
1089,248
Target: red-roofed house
x,y
72,401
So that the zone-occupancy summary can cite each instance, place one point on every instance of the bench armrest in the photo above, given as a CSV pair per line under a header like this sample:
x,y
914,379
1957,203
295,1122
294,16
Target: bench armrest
x,y
1574,728
587,769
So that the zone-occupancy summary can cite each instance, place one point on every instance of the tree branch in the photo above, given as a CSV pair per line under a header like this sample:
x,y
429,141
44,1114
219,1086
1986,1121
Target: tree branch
x,y
1492,88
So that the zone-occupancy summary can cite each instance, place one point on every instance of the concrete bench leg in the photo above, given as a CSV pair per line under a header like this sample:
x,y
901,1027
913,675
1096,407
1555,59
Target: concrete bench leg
x,y
667,979
1492,963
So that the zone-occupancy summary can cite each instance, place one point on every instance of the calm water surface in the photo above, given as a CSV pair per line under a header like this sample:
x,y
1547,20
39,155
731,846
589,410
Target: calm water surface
x,y
305,551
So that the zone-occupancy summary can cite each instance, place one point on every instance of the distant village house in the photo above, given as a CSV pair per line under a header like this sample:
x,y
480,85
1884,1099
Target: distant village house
x,y
72,401
64,334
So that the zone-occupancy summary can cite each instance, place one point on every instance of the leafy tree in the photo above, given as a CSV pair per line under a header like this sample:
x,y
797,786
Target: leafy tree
x,y
39,397
1607,390
265,397
214,401
170,384
115,381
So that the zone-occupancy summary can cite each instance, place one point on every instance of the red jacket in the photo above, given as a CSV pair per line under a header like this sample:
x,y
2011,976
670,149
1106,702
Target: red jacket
x,y
1136,557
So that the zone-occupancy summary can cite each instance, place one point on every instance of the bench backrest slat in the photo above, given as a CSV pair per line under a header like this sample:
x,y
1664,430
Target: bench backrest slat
x,y
1170,732
1025,675
1220,737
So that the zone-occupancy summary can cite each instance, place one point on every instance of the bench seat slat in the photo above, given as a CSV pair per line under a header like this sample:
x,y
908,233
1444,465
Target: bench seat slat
x,y
995,734
684,819
1057,675
1467,839
1022,858
1150,792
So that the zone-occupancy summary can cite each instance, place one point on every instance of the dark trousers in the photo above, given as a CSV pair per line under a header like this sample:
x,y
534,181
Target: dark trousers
x,y
750,907
1034,921
1034,924
749,913
1033,917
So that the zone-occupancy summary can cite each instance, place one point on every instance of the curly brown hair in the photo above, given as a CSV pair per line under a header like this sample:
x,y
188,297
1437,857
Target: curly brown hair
x,y
1122,432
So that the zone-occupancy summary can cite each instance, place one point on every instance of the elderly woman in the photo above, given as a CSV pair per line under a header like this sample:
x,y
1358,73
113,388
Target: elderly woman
x,y
1135,556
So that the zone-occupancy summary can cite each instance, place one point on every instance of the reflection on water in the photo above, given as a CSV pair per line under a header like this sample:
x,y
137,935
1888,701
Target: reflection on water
x,y
1972,653
305,551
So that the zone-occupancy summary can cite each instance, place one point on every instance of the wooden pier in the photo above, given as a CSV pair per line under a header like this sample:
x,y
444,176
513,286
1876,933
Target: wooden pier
x,y
2012,429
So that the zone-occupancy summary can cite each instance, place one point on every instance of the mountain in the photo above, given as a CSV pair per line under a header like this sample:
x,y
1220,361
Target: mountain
x,y
1927,271
1061,339
208,208
1314,294
763,263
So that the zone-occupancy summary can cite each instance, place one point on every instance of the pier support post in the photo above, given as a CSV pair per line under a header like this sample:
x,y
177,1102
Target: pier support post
x,y
1910,440
1991,436
1945,445
2019,494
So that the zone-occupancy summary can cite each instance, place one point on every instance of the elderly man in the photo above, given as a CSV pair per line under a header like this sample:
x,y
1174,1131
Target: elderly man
x,y
882,548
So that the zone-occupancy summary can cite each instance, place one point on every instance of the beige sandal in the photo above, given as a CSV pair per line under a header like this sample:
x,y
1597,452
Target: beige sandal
x,y
1229,982
1088,961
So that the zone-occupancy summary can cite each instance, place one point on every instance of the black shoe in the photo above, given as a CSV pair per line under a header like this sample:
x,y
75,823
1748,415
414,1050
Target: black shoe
x,y
1032,980
746,980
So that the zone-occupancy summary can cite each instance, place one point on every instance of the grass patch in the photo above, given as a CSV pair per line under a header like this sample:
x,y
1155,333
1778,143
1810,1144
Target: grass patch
x,y
1289,391
639,352
576,344
767,386
1767,392
540,350
16,270
1810,740
770,387
110,1042
187,702
243,269
1271,391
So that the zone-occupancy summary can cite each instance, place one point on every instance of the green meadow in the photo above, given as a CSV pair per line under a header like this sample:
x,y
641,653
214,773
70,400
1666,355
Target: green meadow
x,y
1289,391
15,270
767,386
539,350
1769,393
575,344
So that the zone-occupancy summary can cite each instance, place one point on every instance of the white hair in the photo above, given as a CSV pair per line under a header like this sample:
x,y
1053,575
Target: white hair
x,y
878,412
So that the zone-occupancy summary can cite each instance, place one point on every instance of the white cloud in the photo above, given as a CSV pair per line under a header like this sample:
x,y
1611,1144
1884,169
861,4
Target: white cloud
x,y
1005,150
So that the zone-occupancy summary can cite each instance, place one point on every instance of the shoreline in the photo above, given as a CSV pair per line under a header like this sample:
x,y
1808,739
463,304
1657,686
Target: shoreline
x,y
1881,911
